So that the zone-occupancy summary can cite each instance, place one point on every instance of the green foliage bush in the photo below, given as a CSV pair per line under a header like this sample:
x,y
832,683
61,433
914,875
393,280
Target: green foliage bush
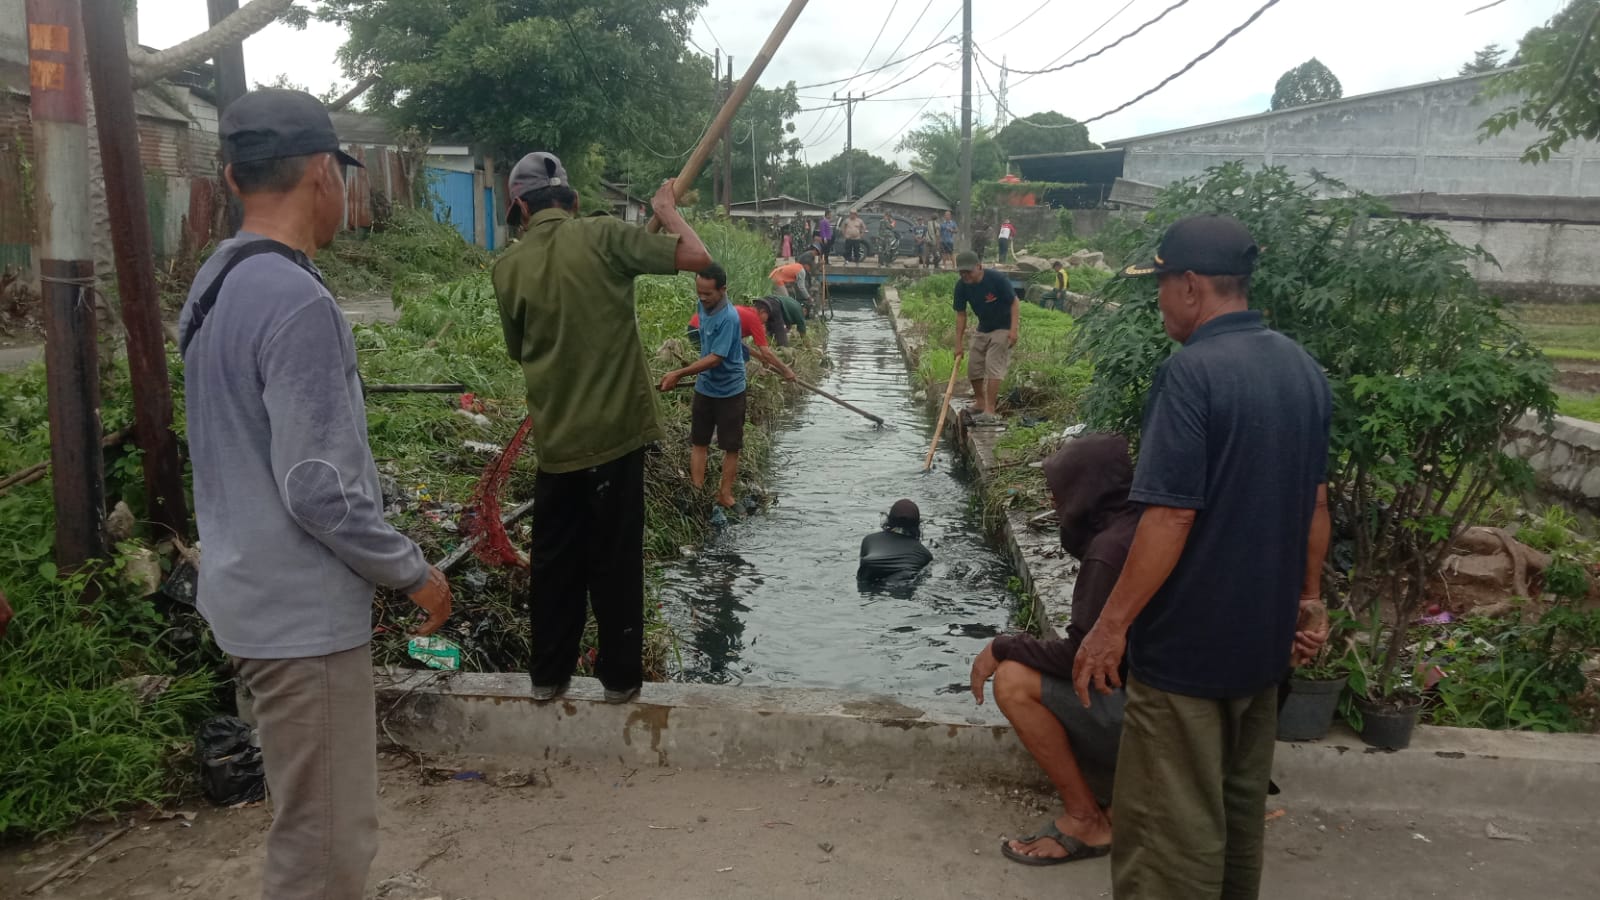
x,y
1426,370
1521,676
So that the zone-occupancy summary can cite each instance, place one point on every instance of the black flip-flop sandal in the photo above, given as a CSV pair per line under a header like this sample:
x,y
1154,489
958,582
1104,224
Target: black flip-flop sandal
x,y
1076,849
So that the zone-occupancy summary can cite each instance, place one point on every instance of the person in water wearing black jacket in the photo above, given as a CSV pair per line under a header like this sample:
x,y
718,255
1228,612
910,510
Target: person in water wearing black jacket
x,y
1089,480
897,550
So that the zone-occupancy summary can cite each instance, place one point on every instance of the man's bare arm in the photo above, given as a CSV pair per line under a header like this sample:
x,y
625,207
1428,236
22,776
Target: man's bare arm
x,y
1311,631
1157,546
691,255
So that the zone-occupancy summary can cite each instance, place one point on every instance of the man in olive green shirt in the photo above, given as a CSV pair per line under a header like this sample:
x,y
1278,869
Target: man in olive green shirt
x,y
566,303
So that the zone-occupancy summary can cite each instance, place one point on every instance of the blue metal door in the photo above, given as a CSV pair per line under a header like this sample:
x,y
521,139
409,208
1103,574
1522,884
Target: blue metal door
x,y
453,192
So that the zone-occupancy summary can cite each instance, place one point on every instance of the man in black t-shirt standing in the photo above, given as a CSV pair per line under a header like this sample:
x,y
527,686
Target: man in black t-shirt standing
x,y
1222,588
994,301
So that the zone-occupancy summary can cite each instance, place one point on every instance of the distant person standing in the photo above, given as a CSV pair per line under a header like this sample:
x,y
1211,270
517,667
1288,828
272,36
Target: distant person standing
x,y
947,238
1056,297
825,235
567,309
919,236
1221,590
980,241
287,498
719,384
992,299
855,237
1006,234
888,238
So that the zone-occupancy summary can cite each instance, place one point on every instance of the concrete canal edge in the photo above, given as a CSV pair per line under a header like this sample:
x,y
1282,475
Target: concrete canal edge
x,y
875,738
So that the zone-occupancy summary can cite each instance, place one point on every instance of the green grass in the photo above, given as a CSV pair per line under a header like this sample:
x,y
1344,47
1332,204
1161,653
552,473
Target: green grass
x,y
1578,407
1562,330
1041,387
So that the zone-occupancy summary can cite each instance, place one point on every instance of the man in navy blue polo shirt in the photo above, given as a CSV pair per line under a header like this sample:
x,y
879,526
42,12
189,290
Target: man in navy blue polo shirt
x,y
1222,587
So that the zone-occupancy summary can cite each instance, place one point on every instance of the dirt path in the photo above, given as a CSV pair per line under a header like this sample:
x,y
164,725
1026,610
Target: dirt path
x,y
618,833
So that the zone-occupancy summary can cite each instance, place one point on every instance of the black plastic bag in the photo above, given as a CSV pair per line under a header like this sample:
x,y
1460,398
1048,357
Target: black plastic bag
x,y
230,762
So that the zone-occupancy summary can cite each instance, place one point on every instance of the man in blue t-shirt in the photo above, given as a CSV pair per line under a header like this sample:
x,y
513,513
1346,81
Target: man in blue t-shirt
x,y
993,300
947,238
719,384
1222,589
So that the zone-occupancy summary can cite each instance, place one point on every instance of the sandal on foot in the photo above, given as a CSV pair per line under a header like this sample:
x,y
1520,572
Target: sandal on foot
x,y
1076,849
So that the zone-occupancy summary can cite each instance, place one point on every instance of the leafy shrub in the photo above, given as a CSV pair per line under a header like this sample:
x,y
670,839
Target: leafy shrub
x,y
1426,370
1519,676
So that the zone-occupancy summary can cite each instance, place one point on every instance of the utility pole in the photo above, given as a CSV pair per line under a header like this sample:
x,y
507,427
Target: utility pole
x,y
106,40
727,147
66,275
849,142
230,86
964,216
717,199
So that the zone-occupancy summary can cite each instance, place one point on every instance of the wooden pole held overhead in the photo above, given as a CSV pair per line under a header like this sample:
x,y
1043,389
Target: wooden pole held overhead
x,y
708,142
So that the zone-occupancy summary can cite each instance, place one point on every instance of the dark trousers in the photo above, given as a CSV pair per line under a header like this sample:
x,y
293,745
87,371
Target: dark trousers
x,y
588,550
1191,795
854,250
1005,250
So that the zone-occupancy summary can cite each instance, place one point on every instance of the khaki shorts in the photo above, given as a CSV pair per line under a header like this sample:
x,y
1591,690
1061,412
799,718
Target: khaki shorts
x,y
988,355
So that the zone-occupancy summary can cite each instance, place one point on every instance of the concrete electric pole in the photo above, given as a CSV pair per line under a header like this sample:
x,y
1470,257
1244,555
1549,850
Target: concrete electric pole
x,y
849,143
964,215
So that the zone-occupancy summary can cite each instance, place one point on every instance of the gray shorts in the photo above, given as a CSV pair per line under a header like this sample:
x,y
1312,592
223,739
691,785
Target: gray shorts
x,y
1094,732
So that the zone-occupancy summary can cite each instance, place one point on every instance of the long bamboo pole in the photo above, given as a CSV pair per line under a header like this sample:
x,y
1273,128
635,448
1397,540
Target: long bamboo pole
x,y
944,410
708,142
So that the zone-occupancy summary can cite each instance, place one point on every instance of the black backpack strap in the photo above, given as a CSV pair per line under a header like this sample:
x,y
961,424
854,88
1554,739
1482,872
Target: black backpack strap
x,y
202,306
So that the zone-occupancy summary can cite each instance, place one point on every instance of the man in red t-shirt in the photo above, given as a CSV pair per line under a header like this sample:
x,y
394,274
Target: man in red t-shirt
x,y
751,326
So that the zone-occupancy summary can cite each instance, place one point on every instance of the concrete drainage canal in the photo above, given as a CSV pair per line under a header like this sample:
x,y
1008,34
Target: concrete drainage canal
x,y
773,599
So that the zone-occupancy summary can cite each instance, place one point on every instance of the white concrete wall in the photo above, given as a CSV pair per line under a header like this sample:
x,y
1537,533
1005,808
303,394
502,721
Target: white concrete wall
x,y
1537,260
1423,138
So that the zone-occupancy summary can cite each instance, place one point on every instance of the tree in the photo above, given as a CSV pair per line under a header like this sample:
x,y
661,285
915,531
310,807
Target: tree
x,y
1309,82
828,176
251,18
1427,371
1557,84
1044,132
1485,60
516,75
937,153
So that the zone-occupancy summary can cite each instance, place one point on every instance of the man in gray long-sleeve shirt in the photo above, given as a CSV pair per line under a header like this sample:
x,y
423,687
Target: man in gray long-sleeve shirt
x,y
287,499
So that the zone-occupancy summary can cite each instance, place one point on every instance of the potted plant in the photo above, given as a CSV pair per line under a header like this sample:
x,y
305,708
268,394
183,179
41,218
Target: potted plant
x,y
1316,687
1383,705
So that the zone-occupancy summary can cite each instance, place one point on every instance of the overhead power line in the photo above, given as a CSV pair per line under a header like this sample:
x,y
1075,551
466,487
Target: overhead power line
x,y
1023,21
914,116
914,22
1083,40
1084,59
933,46
1192,63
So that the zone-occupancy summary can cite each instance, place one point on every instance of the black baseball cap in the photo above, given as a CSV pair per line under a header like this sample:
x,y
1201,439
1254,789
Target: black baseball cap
x,y
273,123
1205,245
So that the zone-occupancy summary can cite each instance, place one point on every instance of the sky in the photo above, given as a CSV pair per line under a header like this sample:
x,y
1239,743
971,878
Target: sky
x,y
1369,44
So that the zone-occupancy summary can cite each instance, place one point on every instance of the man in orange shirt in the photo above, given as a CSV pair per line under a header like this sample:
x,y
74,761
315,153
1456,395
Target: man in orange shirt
x,y
790,279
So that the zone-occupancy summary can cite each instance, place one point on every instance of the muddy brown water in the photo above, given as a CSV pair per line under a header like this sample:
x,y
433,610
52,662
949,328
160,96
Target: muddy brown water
x,y
773,599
